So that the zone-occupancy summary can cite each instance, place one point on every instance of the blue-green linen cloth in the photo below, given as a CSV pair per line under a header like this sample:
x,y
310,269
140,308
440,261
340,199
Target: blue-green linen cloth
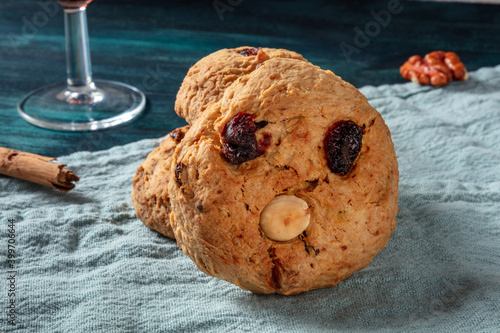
x,y
85,263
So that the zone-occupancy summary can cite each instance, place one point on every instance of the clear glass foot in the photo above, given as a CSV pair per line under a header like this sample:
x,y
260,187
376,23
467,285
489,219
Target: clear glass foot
x,y
101,104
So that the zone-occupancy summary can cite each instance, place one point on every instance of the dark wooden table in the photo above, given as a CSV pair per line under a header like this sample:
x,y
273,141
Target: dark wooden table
x,y
151,44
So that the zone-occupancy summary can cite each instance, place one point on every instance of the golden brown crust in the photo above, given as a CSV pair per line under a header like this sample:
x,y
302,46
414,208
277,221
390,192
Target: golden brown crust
x,y
207,80
216,205
149,187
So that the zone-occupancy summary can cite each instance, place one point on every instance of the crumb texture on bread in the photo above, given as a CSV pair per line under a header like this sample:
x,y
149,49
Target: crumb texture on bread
x,y
212,201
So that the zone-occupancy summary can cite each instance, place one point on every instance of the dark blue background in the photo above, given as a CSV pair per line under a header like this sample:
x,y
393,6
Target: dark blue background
x,y
151,44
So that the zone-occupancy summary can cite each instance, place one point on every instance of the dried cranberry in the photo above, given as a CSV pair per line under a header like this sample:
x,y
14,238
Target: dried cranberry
x,y
342,144
265,142
250,52
177,135
239,143
178,169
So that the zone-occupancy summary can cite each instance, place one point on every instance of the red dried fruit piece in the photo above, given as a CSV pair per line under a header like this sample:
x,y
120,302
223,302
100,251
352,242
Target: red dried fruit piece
x,y
239,143
342,144
250,52
265,142
177,135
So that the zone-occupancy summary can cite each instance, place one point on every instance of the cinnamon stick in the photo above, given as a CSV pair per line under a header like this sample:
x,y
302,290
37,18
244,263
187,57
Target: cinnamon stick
x,y
37,169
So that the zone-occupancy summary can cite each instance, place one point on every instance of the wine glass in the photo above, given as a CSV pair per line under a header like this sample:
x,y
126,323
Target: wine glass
x,y
80,103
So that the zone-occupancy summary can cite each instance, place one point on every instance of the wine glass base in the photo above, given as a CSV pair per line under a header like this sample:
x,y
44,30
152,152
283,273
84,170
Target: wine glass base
x,y
108,104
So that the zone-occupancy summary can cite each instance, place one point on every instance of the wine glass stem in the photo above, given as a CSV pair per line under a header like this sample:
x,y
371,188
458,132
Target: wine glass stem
x,y
79,68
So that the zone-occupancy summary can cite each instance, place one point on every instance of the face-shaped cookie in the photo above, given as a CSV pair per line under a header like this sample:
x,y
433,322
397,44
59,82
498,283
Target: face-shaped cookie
x,y
207,80
288,183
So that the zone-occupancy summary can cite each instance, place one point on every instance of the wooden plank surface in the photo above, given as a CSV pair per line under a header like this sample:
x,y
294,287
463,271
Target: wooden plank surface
x,y
151,44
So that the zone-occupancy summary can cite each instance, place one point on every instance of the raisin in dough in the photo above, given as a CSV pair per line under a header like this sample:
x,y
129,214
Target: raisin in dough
x,y
207,80
217,199
149,186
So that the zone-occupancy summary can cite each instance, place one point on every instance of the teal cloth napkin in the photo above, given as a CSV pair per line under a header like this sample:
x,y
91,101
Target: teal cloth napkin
x,y
85,263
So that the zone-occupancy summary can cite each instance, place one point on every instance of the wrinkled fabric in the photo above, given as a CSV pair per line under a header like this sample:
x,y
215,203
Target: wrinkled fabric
x,y
85,263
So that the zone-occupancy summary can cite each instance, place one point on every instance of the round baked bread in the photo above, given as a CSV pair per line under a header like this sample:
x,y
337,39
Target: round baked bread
x,y
149,186
207,80
288,183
